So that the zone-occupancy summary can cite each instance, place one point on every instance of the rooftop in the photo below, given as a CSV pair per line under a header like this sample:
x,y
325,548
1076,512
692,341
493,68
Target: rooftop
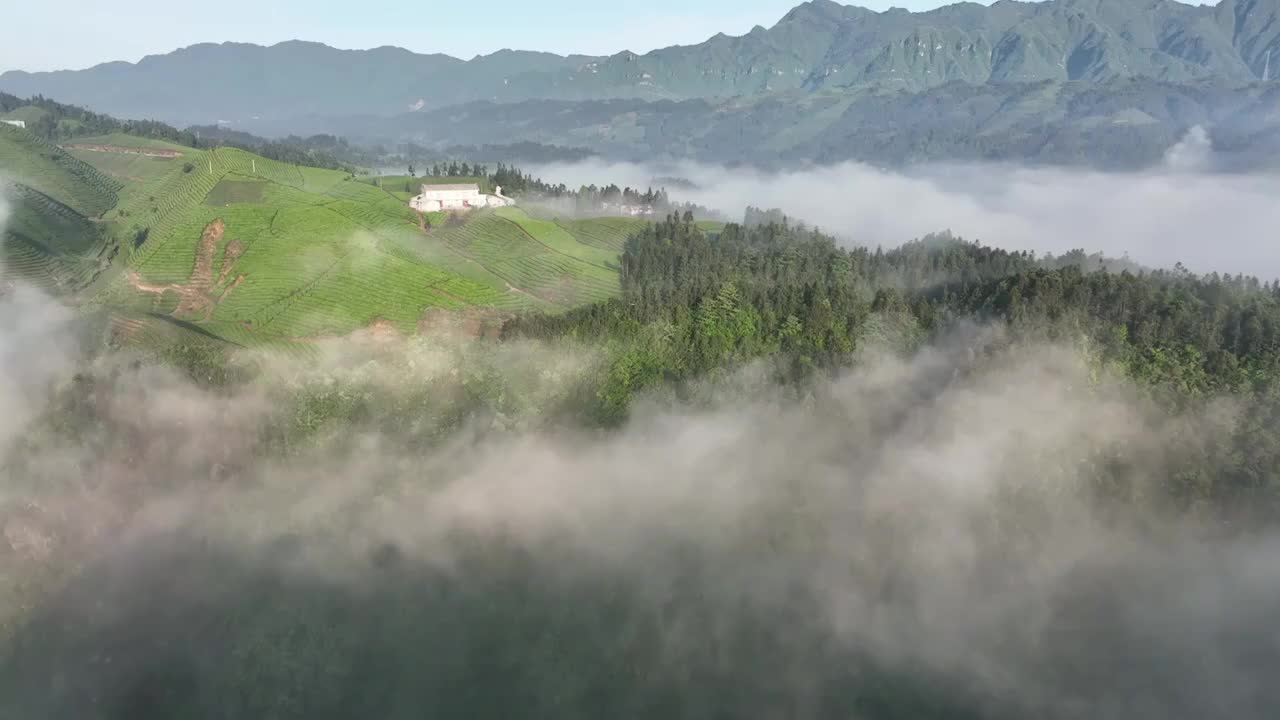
x,y
460,186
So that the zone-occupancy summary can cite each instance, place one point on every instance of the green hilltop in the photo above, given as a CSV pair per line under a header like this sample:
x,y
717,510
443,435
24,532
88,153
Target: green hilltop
x,y
235,247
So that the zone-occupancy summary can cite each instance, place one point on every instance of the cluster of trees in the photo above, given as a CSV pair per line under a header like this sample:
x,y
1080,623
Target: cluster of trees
x,y
454,169
515,181
794,289
60,122
590,197
323,151
695,303
611,199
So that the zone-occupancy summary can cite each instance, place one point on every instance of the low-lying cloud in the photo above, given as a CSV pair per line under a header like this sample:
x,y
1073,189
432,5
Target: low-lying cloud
x,y
1193,153
1207,221
36,344
920,530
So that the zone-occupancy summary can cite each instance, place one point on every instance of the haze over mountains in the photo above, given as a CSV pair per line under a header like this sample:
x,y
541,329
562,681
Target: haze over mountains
x,y
1154,67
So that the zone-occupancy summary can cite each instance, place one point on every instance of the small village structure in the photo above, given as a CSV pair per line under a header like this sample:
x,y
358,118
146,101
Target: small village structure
x,y
631,210
461,197
15,123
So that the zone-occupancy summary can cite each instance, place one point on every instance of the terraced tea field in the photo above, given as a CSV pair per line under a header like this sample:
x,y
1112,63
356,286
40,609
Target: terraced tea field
x,y
609,234
50,245
30,161
228,245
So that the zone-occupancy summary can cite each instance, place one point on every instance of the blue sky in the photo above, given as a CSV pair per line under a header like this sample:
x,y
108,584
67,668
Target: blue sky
x,y
72,34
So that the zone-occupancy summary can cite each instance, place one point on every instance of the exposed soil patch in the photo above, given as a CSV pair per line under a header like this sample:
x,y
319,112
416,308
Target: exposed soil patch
x,y
470,323
227,291
122,150
196,298
380,332
233,251
141,286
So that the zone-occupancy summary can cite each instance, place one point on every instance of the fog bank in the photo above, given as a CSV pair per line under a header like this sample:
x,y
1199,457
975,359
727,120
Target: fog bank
x,y
922,532
1180,213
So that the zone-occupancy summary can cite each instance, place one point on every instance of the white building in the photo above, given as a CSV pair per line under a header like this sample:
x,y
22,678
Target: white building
x,y
457,197
15,123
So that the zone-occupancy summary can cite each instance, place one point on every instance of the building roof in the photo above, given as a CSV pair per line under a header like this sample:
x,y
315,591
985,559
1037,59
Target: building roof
x,y
450,188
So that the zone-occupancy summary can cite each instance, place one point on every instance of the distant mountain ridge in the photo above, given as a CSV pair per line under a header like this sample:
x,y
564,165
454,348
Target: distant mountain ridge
x,y
236,82
819,46
1117,124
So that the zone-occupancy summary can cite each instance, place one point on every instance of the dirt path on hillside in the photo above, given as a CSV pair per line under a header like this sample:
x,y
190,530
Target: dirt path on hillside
x,y
234,250
122,150
526,293
196,298
138,284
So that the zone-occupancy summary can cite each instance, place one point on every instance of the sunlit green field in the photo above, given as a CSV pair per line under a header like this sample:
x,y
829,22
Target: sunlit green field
x,y
232,246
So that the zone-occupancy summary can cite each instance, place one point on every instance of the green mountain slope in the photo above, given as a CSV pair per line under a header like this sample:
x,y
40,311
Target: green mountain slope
x,y
211,82
52,238
256,251
49,244
235,247
52,171
819,45
1118,123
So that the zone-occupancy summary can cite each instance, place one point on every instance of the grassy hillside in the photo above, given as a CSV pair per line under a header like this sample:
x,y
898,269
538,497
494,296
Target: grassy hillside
x,y
51,245
26,159
226,245
222,245
52,239
122,140
603,233
29,114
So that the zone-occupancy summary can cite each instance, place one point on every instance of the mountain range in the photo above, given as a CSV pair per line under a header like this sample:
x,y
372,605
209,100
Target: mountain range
x,y
823,62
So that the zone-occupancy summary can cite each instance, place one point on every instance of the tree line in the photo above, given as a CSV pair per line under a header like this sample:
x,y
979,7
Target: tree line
x,y
694,303
60,122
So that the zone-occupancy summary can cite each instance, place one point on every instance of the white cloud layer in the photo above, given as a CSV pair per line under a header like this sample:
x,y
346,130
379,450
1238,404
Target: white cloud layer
x,y
930,514
1209,222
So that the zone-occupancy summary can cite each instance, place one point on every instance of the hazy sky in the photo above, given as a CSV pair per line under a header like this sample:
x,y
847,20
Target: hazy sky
x,y
74,34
